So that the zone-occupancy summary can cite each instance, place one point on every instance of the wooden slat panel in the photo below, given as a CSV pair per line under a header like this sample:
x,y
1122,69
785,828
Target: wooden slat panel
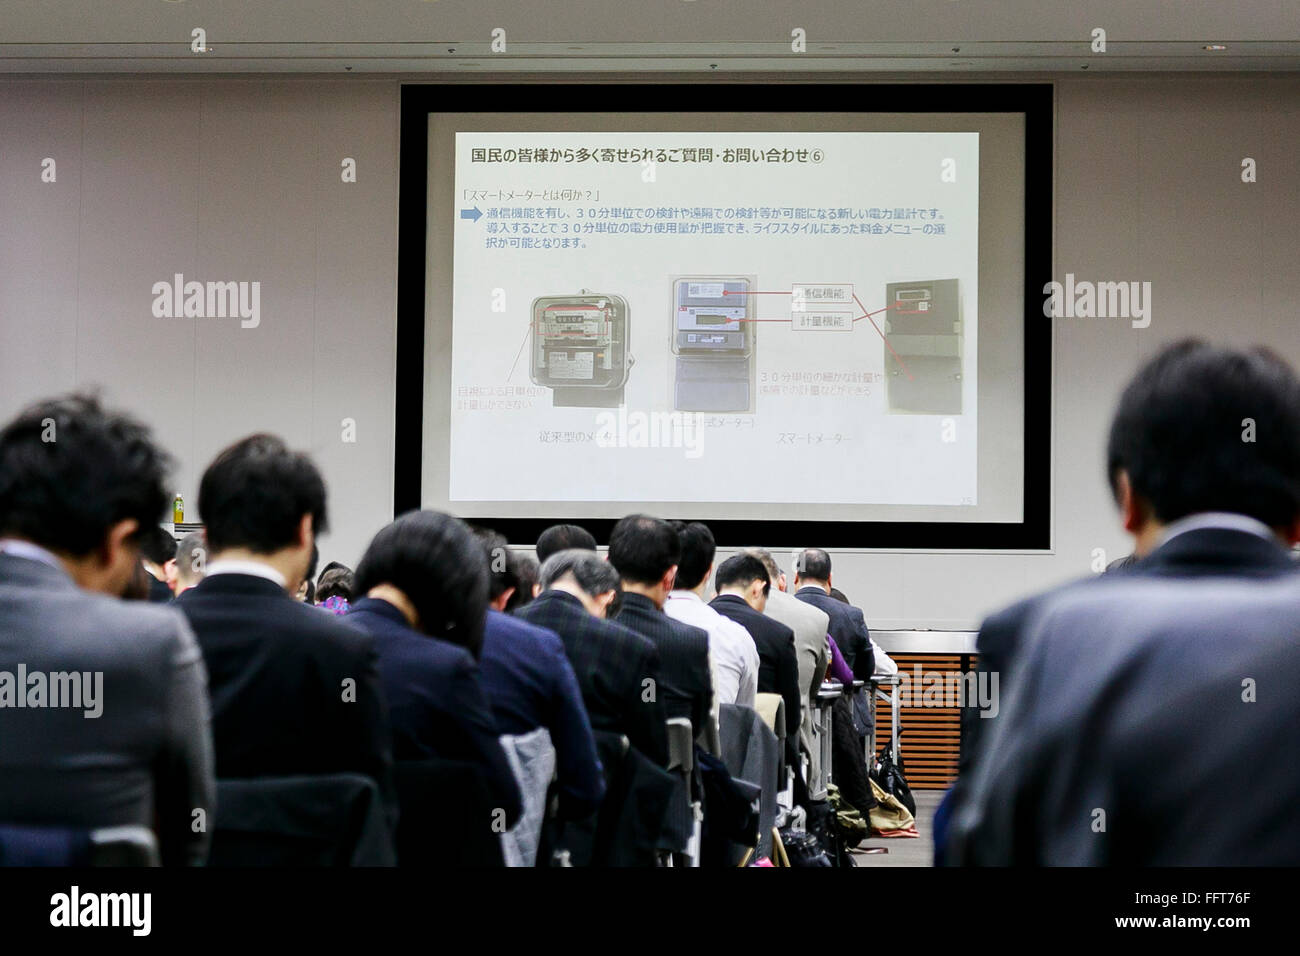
x,y
931,735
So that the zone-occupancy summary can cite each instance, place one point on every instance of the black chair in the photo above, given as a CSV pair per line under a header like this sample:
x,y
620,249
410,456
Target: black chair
x,y
331,820
447,816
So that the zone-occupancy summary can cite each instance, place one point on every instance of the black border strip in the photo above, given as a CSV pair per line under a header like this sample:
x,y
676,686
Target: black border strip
x,y
1035,100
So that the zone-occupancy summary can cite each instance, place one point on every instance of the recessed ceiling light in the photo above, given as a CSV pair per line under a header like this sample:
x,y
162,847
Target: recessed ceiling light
x,y
1214,47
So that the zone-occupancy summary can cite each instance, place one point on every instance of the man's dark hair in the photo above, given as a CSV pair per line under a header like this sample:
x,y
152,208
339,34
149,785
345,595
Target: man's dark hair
x,y
70,470
560,537
1203,428
437,562
157,545
698,550
501,567
255,493
527,572
814,564
591,573
642,548
839,595
742,570
336,582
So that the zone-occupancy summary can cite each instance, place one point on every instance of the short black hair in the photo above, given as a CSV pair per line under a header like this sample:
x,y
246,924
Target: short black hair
x,y
527,572
437,562
814,564
560,537
642,548
839,595
70,470
1204,428
698,550
332,566
157,545
742,570
336,582
502,569
256,491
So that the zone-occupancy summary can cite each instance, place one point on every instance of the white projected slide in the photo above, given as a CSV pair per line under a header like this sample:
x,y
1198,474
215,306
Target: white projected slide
x,y
743,317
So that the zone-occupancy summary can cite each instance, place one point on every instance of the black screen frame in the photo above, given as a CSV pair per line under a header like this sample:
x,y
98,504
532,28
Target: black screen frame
x,y
1034,100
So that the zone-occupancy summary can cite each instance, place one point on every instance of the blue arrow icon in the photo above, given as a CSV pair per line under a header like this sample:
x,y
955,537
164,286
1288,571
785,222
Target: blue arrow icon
x,y
474,213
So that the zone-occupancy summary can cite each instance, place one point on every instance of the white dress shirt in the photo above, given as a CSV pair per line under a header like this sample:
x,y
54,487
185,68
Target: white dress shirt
x,y
733,656
256,568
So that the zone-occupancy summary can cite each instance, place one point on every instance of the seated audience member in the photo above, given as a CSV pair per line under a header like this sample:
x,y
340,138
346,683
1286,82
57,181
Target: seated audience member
x,y
562,537
529,683
1134,693
617,669
72,510
743,585
645,551
158,555
811,628
885,666
812,583
425,583
294,692
731,650
191,561
526,571
334,589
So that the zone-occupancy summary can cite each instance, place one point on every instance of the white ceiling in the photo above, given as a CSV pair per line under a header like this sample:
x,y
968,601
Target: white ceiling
x,y
724,36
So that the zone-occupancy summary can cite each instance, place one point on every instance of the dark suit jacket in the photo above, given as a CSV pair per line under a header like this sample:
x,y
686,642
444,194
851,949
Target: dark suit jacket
x,y
145,756
849,629
436,705
778,663
611,664
276,673
529,683
685,681
1127,698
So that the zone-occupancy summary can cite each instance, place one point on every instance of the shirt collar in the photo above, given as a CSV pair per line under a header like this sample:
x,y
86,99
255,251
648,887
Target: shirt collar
x,y
1222,520
683,595
257,569
32,552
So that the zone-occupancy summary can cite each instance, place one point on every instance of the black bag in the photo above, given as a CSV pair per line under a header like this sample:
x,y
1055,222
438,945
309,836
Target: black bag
x,y
803,849
889,774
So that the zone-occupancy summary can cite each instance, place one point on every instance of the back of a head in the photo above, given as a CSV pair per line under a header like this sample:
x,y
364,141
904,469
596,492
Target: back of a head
x,y
769,562
527,571
698,550
642,548
814,564
593,575
157,546
191,559
336,582
1204,428
435,560
70,471
560,537
255,493
839,595
740,571
501,562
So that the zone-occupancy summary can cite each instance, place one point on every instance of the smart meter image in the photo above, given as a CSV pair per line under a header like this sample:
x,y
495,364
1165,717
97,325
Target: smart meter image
x,y
924,327
580,348
713,340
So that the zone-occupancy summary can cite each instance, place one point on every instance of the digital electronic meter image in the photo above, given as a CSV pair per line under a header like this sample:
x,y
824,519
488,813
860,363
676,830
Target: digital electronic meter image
x,y
924,326
580,348
713,339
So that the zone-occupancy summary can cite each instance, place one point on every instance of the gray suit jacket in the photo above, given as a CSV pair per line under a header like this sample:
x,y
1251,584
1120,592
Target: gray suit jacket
x,y
810,626
1151,721
130,743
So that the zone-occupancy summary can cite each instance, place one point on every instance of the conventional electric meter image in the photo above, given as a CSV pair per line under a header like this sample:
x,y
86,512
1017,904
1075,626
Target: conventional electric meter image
x,y
923,326
580,348
713,340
